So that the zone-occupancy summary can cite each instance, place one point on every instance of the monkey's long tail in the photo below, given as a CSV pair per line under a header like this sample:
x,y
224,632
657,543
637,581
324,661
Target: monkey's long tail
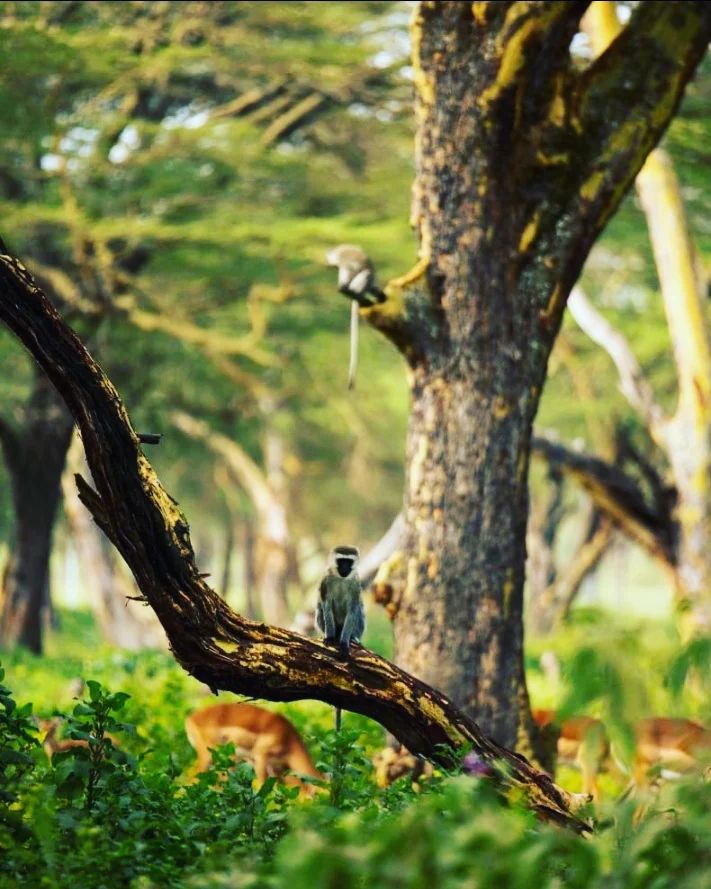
x,y
338,719
353,363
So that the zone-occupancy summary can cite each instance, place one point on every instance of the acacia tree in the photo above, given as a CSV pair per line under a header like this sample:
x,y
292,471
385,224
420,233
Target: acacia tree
x,y
208,639
521,160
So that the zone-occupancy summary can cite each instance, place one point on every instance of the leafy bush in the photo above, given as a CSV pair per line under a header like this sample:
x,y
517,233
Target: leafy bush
x,y
120,810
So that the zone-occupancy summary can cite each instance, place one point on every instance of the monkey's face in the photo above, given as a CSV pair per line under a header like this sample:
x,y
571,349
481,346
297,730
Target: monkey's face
x,y
344,560
344,566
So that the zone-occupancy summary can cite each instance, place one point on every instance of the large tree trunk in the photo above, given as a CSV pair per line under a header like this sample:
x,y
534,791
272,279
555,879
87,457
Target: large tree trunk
x,y
35,453
459,625
521,160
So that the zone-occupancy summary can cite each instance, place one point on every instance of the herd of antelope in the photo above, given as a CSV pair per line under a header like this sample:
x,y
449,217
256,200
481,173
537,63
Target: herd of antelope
x,y
274,748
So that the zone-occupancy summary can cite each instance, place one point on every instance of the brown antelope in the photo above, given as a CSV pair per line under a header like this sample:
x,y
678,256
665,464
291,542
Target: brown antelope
x,y
675,745
266,740
52,743
582,742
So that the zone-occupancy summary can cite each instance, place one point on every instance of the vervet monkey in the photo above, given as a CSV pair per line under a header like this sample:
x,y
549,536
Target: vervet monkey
x,y
356,279
339,612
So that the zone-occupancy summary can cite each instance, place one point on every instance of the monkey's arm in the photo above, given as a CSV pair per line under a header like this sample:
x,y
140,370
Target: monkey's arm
x,y
362,299
324,613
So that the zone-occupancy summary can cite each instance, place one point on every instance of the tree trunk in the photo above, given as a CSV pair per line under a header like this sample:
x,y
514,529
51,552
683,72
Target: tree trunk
x,y
686,436
249,574
266,490
459,623
521,160
226,572
34,454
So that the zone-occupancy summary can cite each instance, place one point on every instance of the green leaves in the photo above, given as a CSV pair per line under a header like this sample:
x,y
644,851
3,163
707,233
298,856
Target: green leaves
x,y
694,659
17,743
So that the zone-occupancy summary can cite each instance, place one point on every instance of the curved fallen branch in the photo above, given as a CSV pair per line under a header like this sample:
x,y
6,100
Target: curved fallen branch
x,y
208,639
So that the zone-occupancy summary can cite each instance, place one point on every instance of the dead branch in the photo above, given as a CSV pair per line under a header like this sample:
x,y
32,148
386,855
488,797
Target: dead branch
x,y
617,495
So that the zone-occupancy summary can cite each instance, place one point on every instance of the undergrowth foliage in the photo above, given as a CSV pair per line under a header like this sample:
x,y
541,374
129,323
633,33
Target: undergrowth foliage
x,y
120,808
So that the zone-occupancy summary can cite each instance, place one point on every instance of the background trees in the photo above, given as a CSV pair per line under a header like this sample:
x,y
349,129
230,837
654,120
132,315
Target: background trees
x,y
143,182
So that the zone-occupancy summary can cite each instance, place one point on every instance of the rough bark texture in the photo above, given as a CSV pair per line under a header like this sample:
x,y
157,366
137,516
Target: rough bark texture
x,y
211,642
521,160
35,451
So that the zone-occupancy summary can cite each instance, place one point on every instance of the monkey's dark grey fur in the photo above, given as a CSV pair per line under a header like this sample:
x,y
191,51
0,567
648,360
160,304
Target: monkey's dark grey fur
x,y
339,613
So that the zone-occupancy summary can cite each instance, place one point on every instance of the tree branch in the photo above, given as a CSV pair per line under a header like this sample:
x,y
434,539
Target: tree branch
x,y
244,469
292,119
674,254
208,639
408,317
633,383
617,495
528,48
382,550
608,121
628,95
208,340
585,560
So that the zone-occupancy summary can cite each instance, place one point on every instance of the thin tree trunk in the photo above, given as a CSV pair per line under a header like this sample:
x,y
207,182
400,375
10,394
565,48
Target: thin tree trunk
x,y
273,556
266,490
686,436
226,573
34,454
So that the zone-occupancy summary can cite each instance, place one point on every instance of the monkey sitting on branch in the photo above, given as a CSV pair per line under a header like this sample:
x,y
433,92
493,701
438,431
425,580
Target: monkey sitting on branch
x,y
339,612
356,280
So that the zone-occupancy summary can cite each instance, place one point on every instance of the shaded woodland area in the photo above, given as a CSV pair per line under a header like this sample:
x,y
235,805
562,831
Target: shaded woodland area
x,y
526,446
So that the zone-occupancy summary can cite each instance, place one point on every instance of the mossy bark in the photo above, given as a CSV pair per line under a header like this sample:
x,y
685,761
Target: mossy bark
x,y
521,160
